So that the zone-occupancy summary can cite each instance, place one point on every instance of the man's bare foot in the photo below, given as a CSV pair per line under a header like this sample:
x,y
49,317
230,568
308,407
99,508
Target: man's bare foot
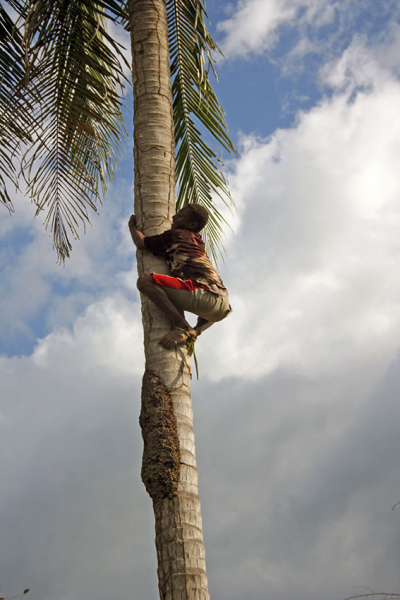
x,y
175,337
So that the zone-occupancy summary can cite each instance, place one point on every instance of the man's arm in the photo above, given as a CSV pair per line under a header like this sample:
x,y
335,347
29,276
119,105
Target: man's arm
x,y
137,236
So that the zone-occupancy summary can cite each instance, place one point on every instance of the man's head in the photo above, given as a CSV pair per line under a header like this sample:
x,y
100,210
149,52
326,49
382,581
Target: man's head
x,y
192,217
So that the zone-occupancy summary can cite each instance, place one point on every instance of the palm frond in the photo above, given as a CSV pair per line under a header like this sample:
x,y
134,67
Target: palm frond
x,y
14,126
75,68
198,116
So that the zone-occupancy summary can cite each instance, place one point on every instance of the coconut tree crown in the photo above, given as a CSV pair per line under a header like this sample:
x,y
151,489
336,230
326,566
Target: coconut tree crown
x,y
61,89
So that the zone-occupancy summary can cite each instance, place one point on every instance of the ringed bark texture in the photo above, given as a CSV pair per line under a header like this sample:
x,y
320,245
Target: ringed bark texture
x,y
166,383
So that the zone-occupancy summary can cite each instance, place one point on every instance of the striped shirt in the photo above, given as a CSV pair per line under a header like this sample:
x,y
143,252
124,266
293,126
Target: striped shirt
x,y
186,256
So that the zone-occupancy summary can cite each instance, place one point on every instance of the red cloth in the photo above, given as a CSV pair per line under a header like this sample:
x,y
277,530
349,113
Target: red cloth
x,y
176,283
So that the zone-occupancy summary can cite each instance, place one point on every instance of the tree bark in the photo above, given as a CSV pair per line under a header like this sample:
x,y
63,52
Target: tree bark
x,y
169,464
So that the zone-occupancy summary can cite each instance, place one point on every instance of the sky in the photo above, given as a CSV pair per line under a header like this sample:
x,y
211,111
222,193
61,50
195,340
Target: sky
x,y
297,407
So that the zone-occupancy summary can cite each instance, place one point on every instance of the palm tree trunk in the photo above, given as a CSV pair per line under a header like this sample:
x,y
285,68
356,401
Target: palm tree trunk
x,y
169,464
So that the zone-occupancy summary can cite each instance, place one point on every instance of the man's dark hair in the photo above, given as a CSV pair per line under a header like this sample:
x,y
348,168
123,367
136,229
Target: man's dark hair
x,y
200,216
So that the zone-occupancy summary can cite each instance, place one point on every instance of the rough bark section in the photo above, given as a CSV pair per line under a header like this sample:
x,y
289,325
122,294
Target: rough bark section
x,y
154,149
180,549
160,465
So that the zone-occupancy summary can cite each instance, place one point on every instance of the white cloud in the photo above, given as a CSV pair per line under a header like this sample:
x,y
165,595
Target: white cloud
x,y
317,464
389,50
253,28
71,452
35,288
358,68
104,341
304,478
318,27
311,271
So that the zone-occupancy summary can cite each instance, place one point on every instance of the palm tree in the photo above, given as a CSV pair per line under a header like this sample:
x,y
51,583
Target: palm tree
x,y
60,114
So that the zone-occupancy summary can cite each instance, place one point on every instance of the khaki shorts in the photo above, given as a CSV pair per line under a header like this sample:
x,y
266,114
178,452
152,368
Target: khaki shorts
x,y
201,302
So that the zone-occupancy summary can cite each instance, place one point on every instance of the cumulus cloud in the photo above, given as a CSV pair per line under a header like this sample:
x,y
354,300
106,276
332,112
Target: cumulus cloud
x,y
311,268
319,27
71,453
311,510
297,474
254,26
37,293
105,339
361,67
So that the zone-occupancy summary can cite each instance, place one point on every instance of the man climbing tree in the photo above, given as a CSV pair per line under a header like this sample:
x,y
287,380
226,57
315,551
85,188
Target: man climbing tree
x,y
195,285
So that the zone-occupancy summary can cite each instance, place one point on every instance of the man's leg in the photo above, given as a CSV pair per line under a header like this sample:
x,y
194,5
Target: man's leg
x,y
202,325
157,295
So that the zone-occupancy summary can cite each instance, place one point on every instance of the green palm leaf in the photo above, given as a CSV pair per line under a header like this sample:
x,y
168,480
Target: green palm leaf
x,y
74,67
198,116
14,125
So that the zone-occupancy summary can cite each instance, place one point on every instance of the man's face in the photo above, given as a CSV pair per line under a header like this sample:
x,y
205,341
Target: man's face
x,y
182,219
